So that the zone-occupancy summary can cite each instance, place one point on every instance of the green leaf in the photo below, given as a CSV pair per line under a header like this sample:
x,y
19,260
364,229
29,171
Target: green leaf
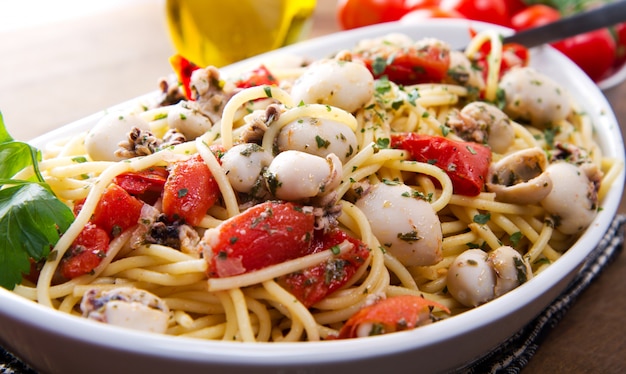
x,y
15,156
4,134
32,219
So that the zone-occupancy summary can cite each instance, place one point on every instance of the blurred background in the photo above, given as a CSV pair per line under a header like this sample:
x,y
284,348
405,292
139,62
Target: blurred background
x,y
63,60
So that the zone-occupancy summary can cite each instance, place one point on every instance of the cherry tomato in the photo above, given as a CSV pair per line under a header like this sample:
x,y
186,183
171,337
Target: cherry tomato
x,y
619,31
190,190
514,6
358,13
315,283
466,163
492,11
594,52
86,252
533,16
265,234
421,14
407,65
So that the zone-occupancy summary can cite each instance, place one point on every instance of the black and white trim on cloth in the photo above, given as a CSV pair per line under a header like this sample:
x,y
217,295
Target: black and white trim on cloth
x,y
9,364
511,356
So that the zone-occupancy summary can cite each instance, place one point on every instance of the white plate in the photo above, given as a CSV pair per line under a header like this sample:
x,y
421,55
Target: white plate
x,y
56,342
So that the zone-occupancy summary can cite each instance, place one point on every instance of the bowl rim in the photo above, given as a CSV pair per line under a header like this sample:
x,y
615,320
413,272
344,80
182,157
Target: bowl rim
x,y
211,352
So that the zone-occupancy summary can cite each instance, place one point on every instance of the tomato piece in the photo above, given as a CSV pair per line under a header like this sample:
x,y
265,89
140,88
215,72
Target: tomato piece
x,y
190,190
358,13
466,163
533,16
492,11
514,6
116,211
86,252
421,14
397,313
146,184
412,65
619,31
315,283
594,52
265,234
257,77
183,69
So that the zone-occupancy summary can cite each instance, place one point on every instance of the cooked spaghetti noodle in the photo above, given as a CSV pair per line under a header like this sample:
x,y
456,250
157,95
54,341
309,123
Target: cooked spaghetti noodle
x,y
255,307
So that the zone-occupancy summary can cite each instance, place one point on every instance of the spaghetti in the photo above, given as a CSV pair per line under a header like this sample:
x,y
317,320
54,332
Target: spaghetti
x,y
255,306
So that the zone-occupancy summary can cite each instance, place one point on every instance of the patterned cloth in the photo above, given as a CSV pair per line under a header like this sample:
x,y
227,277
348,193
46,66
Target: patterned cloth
x,y
516,352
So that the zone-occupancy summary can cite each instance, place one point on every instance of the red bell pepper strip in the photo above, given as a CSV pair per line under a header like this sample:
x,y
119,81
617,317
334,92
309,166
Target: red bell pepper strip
x,y
183,69
466,163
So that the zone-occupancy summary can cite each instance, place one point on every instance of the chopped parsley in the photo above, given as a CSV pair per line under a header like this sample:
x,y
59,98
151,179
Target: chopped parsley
x,y
182,193
383,143
321,142
481,219
411,236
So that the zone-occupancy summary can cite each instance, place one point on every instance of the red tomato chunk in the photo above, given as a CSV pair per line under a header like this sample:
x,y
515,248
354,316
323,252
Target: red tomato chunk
x,y
190,190
86,252
466,163
266,234
314,284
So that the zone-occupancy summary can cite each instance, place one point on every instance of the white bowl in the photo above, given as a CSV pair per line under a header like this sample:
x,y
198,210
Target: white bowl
x,y
55,342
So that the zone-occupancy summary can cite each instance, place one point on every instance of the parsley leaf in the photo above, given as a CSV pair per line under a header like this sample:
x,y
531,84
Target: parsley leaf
x,y
481,219
383,143
32,218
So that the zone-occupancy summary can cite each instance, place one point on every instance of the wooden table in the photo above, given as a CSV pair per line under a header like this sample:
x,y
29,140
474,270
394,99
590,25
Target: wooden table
x,y
59,72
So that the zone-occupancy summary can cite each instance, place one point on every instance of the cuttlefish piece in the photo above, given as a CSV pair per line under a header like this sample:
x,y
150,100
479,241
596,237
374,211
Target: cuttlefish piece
x,y
483,123
573,201
520,177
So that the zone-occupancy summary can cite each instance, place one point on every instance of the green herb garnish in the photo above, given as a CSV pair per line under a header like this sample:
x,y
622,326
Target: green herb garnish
x,y
32,218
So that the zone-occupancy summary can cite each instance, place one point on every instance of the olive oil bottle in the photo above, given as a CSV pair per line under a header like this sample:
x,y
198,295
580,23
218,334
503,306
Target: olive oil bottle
x,y
221,32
